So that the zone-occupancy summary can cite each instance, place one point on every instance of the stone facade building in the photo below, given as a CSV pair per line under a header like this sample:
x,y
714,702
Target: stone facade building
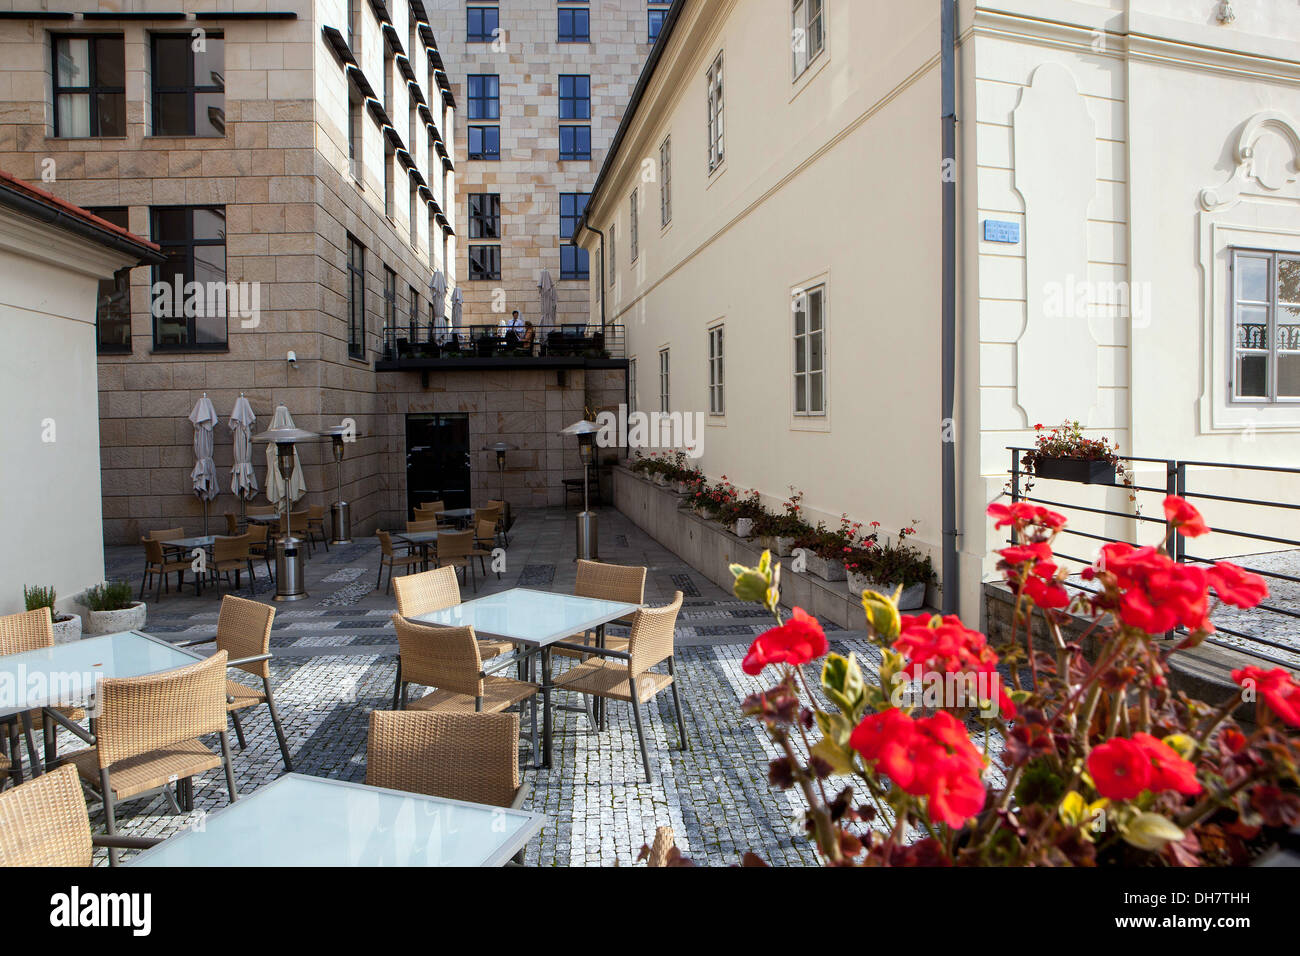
x,y
306,159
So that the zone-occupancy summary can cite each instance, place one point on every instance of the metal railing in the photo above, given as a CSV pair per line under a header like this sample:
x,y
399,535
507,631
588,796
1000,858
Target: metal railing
x,y
407,342
1181,478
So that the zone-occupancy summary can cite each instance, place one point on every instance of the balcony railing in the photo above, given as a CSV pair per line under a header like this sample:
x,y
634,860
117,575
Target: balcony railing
x,y
565,346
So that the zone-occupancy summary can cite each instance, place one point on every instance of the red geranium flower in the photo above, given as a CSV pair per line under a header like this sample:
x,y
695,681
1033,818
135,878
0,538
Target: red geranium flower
x,y
1120,769
1279,691
1237,586
1046,594
1169,771
1186,519
796,642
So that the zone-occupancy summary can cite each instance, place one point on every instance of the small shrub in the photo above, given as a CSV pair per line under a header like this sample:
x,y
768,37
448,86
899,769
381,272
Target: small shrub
x,y
110,596
38,596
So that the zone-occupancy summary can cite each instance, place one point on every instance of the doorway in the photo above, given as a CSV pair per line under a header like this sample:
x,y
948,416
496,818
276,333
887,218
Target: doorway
x,y
437,460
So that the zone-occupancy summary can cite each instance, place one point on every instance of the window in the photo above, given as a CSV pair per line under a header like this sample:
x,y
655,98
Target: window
x,y
666,181
810,351
1265,326
354,134
575,97
113,304
485,215
485,142
189,97
356,299
574,25
574,260
484,96
193,240
633,228
414,315
655,20
575,142
354,28
484,263
390,298
390,173
663,381
717,400
809,34
481,24
89,86
631,385
715,114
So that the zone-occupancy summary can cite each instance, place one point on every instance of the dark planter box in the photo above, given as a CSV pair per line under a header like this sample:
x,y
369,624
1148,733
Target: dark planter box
x,y
1082,470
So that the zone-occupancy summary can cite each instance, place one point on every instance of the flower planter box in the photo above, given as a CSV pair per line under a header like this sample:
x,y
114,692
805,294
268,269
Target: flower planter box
x,y
1082,470
784,545
825,569
111,622
743,527
912,598
67,629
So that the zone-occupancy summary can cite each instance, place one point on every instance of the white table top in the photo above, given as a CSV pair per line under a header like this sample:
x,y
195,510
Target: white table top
x,y
530,617
299,820
68,673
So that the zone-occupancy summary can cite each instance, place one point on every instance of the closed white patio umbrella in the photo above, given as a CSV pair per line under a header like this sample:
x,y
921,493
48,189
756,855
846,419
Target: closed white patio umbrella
x,y
274,483
457,309
243,479
203,478
546,290
438,296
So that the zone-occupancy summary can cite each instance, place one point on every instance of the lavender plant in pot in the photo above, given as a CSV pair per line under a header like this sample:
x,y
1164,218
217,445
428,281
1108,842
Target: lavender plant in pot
x,y
67,627
112,608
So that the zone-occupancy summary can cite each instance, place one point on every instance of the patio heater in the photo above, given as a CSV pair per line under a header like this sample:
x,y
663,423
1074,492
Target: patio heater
x,y
588,532
289,581
340,510
501,448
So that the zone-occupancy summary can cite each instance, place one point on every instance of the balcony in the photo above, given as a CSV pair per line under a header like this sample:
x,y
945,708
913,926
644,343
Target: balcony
x,y
414,349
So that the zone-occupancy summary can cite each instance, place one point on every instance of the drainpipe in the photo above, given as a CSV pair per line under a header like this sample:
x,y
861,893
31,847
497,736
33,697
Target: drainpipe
x,y
947,430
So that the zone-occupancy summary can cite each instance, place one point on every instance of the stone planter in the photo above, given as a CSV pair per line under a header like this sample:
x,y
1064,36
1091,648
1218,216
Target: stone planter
x,y
743,527
111,622
912,598
824,569
659,479
768,543
67,630
784,545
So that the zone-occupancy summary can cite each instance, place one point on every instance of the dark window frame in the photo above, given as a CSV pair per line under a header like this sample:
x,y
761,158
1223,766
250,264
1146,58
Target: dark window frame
x,y
575,153
579,25
481,153
119,285
574,97
483,224
93,91
188,242
190,88
481,32
356,269
655,23
476,101
484,272
575,262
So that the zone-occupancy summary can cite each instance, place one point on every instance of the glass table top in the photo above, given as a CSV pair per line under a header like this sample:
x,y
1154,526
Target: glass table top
x,y
530,617
67,673
299,820
418,537
198,541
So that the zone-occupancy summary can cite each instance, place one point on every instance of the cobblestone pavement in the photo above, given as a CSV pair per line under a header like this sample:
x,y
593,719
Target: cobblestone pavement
x,y
334,663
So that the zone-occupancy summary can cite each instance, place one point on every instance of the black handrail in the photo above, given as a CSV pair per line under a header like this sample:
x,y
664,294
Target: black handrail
x,y
422,341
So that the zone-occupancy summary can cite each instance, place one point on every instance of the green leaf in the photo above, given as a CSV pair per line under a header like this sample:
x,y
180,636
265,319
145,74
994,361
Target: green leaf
x,y
839,758
882,614
842,681
1151,831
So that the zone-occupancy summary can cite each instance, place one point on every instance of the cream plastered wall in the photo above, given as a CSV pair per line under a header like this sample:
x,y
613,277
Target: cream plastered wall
x,y
834,180
49,478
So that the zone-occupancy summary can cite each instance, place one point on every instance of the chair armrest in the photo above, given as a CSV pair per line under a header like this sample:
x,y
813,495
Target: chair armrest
x,y
68,725
119,842
517,803
593,649
248,660
201,640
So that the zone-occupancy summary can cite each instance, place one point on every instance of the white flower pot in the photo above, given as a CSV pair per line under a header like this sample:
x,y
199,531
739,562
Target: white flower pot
x,y
784,546
743,528
65,632
111,622
824,569
912,598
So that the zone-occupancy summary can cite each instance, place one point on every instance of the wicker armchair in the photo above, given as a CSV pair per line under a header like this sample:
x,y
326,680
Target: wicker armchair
x,y
160,564
148,736
502,529
627,675
244,633
259,545
45,823
316,525
484,543
448,659
456,549
422,525
30,631
232,524
664,850
428,592
233,554
389,559
608,582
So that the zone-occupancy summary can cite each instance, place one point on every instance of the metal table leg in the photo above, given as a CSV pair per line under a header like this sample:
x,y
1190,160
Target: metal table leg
x,y
546,708
38,765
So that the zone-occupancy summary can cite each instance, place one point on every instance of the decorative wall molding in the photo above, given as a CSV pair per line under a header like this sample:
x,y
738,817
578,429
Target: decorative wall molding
x,y
1267,155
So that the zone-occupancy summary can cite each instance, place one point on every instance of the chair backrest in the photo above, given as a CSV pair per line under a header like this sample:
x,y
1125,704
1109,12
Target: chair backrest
x,y
232,524
165,534
455,544
316,512
610,582
262,509
651,640
433,506
153,552
422,525
443,657
486,514
29,631
486,531
142,714
230,549
465,756
256,533
385,542
426,592
44,822
244,630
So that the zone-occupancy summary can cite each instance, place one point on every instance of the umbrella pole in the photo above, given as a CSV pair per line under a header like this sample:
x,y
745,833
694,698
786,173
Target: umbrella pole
x,y
205,517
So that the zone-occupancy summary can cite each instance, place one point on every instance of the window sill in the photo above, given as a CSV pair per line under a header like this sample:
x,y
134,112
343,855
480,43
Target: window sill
x,y
149,136
811,71
190,349
73,139
716,173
